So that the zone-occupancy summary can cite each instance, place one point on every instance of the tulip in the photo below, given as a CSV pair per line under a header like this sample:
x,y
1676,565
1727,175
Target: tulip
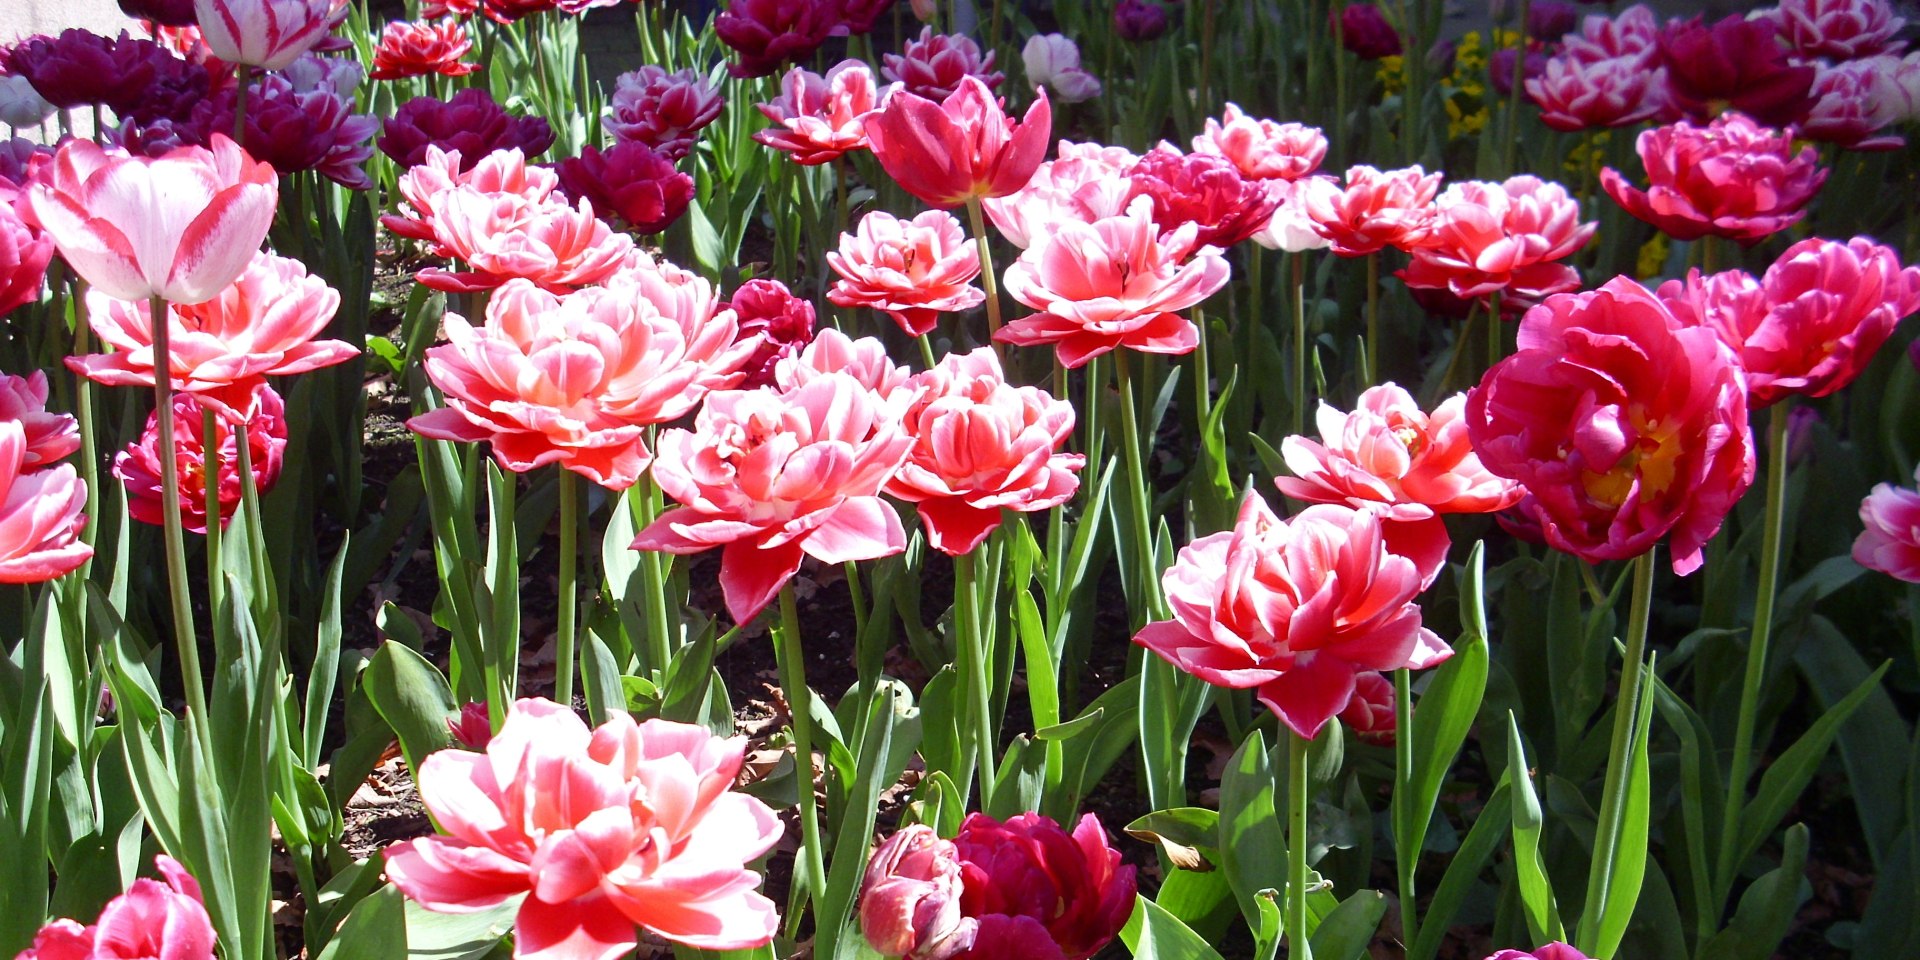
x,y
858,17
910,900
269,34
1500,69
20,104
1624,424
439,171
961,148
1391,457
1114,283
1736,62
933,65
182,227
1503,238
472,728
767,33
630,181
513,11
865,360
911,270
819,118
1855,100
1204,190
1290,228
1732,178
577,379
1635,32
435,9
139,465
1369,712
421,48
1365,32
1087,183
261,325
605,830
662,110
302,118
1298,608
1053,61
779,322
1812,323
1837,29
166,13
1552,951
773,476
1375,210
502,236
165,920
24,253
1262,149
48,436
470,123
981,444
1139,21
1890,538
1549,20
17,158
40,513
1574,93
79,69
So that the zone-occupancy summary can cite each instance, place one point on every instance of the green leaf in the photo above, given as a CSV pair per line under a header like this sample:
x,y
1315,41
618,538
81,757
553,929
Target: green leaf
x,y
1442,718
1766,909
1629,867
1463,871
1784,780
1202,901
377,927
1183,834
1346,933
1252,841
1154,934
1086,758
412,696
1530,868
456,936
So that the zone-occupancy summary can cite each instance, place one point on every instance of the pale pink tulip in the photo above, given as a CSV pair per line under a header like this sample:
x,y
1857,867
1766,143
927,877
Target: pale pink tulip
x,y
865,360
49,436
1506,238
1113,283
981,444
503,236
1086,183
1263,149
1053,61
1890,540
1634,32
499,172
1838,29
911,270
1576,93
818,118
1854,102
181,227
1290,228
40,514
934,64
662,110
600,831
1376,210
269,34
776,476
1390,456
576,379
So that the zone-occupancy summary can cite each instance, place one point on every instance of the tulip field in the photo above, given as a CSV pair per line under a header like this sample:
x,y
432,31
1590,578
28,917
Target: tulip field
x,y
986,479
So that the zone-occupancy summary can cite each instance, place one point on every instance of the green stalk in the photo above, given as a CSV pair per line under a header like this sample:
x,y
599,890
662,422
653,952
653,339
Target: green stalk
x,y
966,600
1298,300
1496,347
1298,946
1513,93
171,531
1373,319
242,73
563,637
1339,79
1406,861
83,410
987,277
210,488
793,682
645,498
1619,754
1740,768
1146,590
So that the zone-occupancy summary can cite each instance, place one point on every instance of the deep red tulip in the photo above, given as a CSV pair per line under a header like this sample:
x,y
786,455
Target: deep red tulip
x,y
1138,21
510,11
1735,64
765,34
166,13
78,68
1549,20
1365,32
629,181
421,48
301,118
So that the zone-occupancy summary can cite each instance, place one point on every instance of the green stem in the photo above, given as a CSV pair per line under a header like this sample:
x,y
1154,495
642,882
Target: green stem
x,y
980,690
646,502
926,350
1298,301
1299,947
1373,319
83,410
1339,80
1613,802
190,675
242,74
1496,346
210,488
1740,768
1406,861
1146,591
987,278
563,637
1513,93
793,682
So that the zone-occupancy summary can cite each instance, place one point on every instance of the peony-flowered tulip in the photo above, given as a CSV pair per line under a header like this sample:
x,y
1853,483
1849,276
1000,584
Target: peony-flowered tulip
x,y
164,919
1375,210
818,118
1296,609
764,34
78,68
503,236
1369,712
1732,178
961,148
1737,64
1634,32
933,65
1053,61
981,444
625,826
1390,456
1262,149
1365,32
261,325
1811,324
139,466
779,322
41,514
269,34
1116,282
859,16
1854,102
502,171
1576,93
20,104
301,118
470,123
1552,951
181,227
774,476
1023,888
631,181
513,11
1837,29
24,253
1290,228
1624,424
1506,238
865,360
1890,539
421,48
662,110
1204,190
49,436
1086,183
911,270
576,379
1139,21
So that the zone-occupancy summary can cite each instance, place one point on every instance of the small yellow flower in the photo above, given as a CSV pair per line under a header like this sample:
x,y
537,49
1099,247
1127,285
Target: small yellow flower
x,y
1391,74
1463,124
1652,259
1582,162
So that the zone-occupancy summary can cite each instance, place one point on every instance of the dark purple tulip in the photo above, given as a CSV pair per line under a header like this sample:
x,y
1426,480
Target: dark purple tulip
x,y
1364,30
767,308
769,33
167,13
1549,20
302,118
859,16
628,180
1440,57
1139,21
1736,63
471,123
82,69
1500,68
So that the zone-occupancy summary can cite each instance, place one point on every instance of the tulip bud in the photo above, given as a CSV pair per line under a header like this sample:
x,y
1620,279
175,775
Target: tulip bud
x,y
925,10
1139,21
1365,32
1369,712
472,728
910,903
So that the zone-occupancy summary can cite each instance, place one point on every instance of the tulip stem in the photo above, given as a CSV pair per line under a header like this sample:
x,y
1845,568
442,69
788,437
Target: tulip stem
x,y
1626,710
1513,95
1297,299
793,683
1406,861
644,500
241,74
1373,319
1495,348
987,278
966,609
171,531
83,401
1298,947
563,637
1740,768
1145,595
210,486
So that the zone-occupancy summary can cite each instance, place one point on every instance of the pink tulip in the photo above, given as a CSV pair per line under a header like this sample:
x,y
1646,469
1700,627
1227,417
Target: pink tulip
x,y
1369,712
1890,540
500,172
1502,238
1204,190
504,236
25,252
981,444
1086,183
627,825
139,466
181,227
472,728
1576,93
1113,283
911,270
774,476
1730,179
1552,951
662,110
1390,456
1623,423
865,360
1261,148
1290,228
422,48
40,514
1053,61
153,920
910,901
779,322
576,379
1376,210
268,34
1856,100
48,436
933,65
1634,32
1812,323
960,148
1837,29
818,119
1298,608
263,325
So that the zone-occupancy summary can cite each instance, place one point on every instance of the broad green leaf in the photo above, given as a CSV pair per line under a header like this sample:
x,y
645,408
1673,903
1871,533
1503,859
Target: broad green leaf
x,y
1530,868
1183,833
1766,909
1489,827
1629,867
377,927
1784,780
1252,839
1346,933
1202,901
1154,934
456,936
412,697
1442,718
